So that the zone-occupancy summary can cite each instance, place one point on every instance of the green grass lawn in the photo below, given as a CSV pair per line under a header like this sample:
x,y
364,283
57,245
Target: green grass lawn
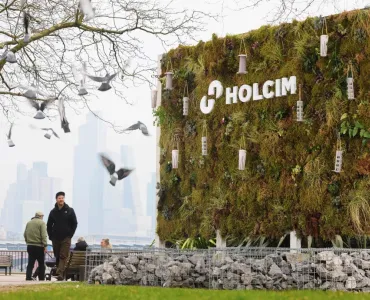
x,y
82,291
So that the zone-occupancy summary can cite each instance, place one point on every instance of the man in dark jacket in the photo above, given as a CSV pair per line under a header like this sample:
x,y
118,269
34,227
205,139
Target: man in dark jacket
x,y
61,226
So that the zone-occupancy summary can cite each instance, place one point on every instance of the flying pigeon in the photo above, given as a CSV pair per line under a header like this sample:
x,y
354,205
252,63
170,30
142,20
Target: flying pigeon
x,y
87,9
140,126
26,24
32,91
81,79
10,57
10,142
49,133
111,167
62,114
40,107
105,86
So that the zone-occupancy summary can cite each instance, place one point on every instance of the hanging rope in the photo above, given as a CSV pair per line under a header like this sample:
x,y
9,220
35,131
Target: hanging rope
x,y
242,45
350,69
204,130
242,142
169,63
326,26
175,141
339,142
186,89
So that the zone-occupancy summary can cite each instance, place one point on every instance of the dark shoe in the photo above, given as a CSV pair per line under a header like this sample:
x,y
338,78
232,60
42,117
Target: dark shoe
x,y
29,279
60,278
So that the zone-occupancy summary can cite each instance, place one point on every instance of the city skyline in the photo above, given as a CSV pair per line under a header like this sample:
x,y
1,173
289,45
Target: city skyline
x,y
101,209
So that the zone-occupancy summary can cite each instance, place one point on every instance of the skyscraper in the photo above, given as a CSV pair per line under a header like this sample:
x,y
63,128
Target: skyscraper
x,y
131,191
150,200
88,177
32,191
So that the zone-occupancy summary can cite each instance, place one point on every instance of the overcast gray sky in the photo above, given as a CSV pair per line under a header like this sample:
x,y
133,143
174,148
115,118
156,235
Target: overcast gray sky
x,y
32,146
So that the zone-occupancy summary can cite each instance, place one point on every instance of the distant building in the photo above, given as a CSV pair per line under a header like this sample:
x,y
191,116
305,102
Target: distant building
x,y
88,178
150,200
33,191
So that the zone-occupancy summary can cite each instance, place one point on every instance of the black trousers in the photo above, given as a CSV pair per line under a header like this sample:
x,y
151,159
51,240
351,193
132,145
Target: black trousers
x,y
35,253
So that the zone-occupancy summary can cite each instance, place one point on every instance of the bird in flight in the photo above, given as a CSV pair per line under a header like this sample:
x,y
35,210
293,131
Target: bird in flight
x,y
139,125
111,167
105,86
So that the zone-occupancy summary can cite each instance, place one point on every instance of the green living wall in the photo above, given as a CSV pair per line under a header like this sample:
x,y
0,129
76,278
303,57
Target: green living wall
x,y
288,182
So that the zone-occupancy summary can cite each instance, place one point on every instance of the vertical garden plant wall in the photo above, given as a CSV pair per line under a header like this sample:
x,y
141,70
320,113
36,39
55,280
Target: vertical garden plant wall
x,y
288,182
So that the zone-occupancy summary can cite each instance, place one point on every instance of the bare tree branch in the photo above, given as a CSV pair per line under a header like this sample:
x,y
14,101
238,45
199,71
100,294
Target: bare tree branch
x,y
61,38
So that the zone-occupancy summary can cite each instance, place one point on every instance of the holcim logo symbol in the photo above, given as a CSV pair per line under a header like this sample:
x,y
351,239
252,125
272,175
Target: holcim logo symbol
x,y
246,92
214,88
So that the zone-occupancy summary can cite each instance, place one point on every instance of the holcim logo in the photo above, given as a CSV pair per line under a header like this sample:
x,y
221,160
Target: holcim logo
x,y
246,92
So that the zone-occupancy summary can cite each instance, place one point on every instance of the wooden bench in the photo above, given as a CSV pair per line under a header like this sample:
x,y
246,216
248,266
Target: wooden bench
x,y
6,261
76,265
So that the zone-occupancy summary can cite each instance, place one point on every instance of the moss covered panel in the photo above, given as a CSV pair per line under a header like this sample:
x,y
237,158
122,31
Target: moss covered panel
x,y
288,182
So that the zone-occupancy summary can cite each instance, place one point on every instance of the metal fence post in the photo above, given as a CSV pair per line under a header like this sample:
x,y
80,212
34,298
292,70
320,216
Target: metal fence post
x,y
21,261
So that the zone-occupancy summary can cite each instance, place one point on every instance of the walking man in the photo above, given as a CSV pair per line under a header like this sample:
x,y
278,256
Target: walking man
x,y
36,240
62,224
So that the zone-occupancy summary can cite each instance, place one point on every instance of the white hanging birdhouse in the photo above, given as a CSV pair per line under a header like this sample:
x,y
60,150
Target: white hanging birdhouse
x,y
175,159
242,64
169,76
350,89
300,106
242,158
204,145
350,83
154,98
185,106
338,161
10,143
324,38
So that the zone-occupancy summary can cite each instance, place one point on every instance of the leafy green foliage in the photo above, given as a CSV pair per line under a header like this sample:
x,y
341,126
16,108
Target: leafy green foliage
x,y
288,182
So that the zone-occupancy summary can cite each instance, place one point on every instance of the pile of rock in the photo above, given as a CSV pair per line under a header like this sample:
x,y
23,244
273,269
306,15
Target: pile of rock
x,y
323,270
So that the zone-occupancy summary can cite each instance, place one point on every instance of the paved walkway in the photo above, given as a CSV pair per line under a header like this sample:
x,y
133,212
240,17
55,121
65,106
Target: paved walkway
x,y
19,279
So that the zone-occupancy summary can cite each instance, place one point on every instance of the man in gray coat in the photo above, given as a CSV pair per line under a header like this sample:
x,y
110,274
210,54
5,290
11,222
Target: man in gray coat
x,y
35,236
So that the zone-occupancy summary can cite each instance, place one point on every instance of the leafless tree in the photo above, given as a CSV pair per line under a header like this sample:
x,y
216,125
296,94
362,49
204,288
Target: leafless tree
x,y
284,10
62,37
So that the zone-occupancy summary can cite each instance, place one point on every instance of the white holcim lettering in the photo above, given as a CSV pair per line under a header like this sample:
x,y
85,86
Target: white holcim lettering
x,y
265,90
206,108
248,96
232,95
215,87
278,87
256,95
289,85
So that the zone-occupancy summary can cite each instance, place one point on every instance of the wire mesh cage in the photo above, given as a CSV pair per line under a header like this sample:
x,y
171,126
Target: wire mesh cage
x,y
233,268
